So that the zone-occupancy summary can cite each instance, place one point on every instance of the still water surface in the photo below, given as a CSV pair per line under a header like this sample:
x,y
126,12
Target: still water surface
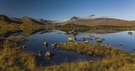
x,y
35,44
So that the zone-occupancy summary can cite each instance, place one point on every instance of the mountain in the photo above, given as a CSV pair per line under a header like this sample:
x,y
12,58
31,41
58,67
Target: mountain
x,y
92,17
74,18
9,20
94,20
5,19
28,20
100,21
24,20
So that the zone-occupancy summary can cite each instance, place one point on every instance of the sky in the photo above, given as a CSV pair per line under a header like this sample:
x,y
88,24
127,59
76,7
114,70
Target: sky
x,y
62,9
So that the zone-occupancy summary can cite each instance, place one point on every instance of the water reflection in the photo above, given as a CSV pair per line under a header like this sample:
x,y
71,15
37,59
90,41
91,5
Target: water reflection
x,y
36,43
130,33
53,37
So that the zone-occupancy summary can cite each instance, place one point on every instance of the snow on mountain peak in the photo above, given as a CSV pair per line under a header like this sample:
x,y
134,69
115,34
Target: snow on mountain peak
x,y
74,18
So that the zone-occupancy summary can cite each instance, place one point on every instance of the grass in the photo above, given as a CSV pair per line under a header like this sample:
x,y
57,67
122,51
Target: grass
x,y
27,29
92,49
112,58
14,59
70,26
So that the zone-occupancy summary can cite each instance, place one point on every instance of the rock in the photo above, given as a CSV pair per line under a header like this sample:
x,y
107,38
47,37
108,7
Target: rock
x,y
71,38
24,46
83,39
89,53
45,44
39,53
78,51
86,41
54,45
99,40
57,45
96,38
121,44
49,54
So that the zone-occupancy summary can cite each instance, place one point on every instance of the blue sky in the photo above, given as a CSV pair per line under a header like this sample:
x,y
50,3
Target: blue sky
x,y
61,9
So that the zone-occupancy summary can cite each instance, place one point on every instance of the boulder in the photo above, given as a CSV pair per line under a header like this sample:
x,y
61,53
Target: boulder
x,y
45,44
71,38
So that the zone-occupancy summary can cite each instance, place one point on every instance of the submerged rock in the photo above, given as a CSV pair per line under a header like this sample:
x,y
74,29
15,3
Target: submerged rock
x,y
89,39
121,44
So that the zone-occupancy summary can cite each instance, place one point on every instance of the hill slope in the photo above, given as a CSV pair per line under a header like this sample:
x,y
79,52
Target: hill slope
x,y
103,21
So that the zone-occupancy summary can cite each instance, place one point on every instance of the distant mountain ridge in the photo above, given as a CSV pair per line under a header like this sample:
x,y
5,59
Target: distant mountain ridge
x,y
94,20
90,20
5,19
74,18
24,20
